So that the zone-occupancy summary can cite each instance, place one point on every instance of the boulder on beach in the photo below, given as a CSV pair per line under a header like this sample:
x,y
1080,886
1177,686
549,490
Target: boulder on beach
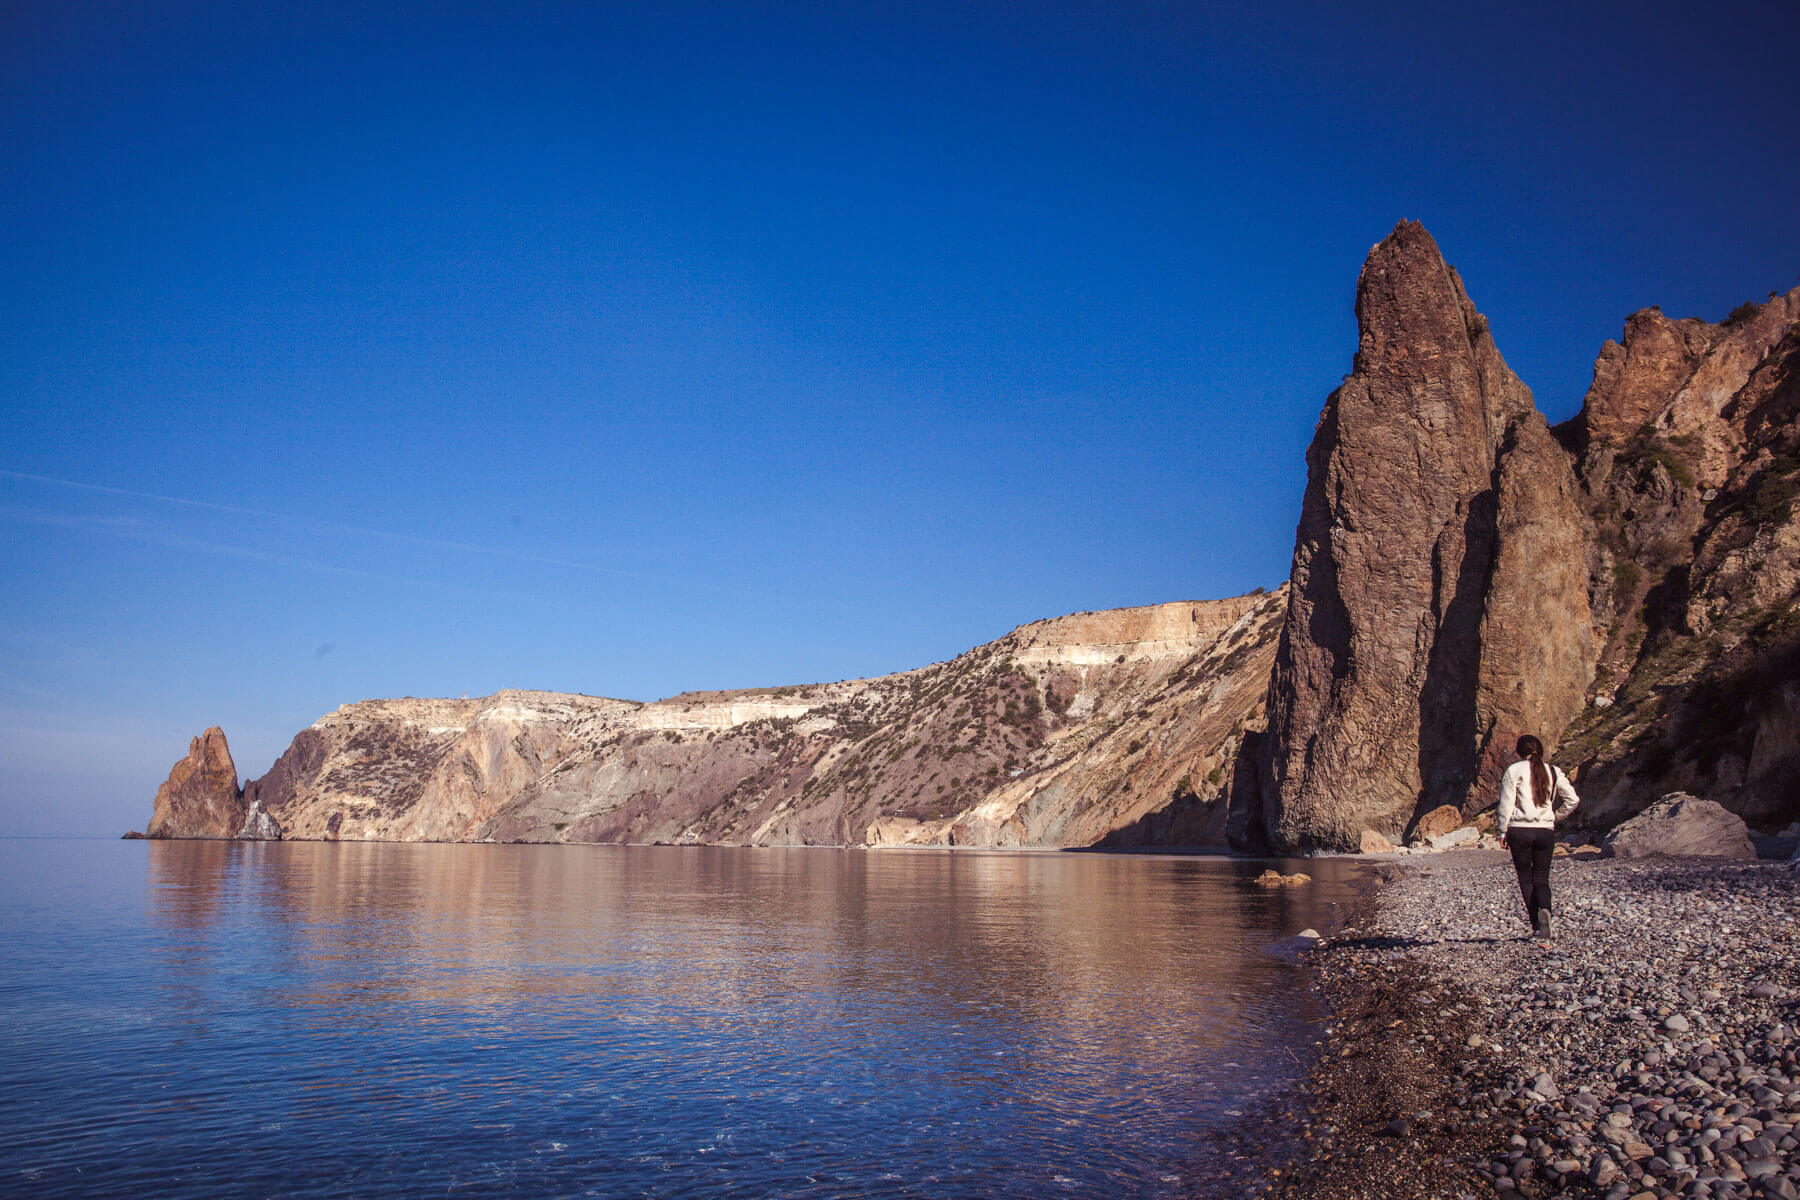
x,y
1375,843
1455,837
1445,818
1680,824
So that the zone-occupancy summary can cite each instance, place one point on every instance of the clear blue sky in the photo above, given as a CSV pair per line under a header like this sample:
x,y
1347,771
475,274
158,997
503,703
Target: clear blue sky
x,y
363,350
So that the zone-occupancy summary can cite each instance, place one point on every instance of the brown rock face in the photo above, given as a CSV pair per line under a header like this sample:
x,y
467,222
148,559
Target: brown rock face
x,y
200,799
1439,604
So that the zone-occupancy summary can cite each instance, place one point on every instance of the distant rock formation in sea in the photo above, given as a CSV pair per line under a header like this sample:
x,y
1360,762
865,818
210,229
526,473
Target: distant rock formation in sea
x,y
1626,586
201,797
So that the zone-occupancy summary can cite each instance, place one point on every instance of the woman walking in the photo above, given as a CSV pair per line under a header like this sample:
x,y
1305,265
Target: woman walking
x,y
1534,796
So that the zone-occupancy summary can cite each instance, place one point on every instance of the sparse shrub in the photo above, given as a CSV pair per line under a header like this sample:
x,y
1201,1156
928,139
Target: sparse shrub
x,y
1184,786
1476,326
1678,470
1773,497
1215,776
1741,314
1625,575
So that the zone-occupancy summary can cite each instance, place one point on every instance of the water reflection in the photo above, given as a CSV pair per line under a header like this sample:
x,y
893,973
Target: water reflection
x,y
694,1020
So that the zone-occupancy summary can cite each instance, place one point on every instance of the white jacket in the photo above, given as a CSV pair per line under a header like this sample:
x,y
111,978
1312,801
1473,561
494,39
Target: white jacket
x,y
1518,807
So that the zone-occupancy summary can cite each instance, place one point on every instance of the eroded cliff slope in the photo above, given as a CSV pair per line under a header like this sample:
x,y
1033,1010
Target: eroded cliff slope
x,y
1689,455
1114,727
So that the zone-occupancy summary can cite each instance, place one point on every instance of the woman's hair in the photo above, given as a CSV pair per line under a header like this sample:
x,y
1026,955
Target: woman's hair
x,y
1530,747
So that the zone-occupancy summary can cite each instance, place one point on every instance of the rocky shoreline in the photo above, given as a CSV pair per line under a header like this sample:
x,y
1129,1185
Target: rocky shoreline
x,y
1652,1051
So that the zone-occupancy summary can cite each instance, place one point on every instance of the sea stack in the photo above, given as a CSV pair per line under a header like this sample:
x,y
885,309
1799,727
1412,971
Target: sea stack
x,y
1439,585
201,797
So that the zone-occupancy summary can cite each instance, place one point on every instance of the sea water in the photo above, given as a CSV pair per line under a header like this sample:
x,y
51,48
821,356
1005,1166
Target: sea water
x,y
213,1019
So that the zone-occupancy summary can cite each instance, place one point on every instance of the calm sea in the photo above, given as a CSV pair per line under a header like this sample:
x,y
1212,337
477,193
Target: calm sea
x,y
213,1019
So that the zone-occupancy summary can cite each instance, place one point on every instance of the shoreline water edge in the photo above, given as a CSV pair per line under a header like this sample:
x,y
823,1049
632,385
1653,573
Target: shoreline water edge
x,y
1652,1051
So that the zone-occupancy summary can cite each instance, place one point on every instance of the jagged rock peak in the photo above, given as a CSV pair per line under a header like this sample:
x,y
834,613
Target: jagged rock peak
x,y
1401,664
1636,376
1690,443
201,797
1423,338
1676,380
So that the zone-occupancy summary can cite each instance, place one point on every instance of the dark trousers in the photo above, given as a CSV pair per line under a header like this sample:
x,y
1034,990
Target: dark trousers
x,y
1532,850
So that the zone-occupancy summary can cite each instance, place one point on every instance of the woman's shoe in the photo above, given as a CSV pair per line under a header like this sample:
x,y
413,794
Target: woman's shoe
x,y
1542,923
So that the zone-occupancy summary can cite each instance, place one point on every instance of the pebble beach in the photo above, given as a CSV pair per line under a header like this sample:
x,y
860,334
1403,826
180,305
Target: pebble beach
x,y
1653,1050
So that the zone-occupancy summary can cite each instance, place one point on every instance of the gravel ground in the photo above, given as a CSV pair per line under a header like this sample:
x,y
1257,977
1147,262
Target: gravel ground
x,y
1652,1051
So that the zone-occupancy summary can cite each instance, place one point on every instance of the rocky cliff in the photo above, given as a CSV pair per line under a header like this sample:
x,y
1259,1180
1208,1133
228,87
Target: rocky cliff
x,y
1689,454
1113,727
1439,580
1625,585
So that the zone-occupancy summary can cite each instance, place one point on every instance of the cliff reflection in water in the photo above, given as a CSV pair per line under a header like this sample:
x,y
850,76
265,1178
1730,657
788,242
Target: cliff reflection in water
x,y
729,1014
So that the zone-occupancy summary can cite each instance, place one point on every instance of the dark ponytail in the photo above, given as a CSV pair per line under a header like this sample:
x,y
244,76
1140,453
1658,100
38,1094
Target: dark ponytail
x,y
1530,747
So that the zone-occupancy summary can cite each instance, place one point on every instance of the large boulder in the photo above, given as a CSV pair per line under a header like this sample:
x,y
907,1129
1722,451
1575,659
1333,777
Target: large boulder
x,y
1680,824
1446,818
1439,605
1372,842
201,797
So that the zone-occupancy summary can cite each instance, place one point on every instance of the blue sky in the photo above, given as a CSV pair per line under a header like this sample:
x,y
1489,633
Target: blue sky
x,y
360,350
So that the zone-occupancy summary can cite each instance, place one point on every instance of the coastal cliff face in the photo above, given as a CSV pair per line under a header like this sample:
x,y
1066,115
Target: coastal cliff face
x,y
1114,727
1625,586
1439,581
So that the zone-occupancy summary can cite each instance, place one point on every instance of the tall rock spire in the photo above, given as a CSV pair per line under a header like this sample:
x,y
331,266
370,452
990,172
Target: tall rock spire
x,y
1439,603
201,797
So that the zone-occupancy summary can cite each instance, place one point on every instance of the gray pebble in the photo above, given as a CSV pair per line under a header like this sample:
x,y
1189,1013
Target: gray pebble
x,y
1593,1047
